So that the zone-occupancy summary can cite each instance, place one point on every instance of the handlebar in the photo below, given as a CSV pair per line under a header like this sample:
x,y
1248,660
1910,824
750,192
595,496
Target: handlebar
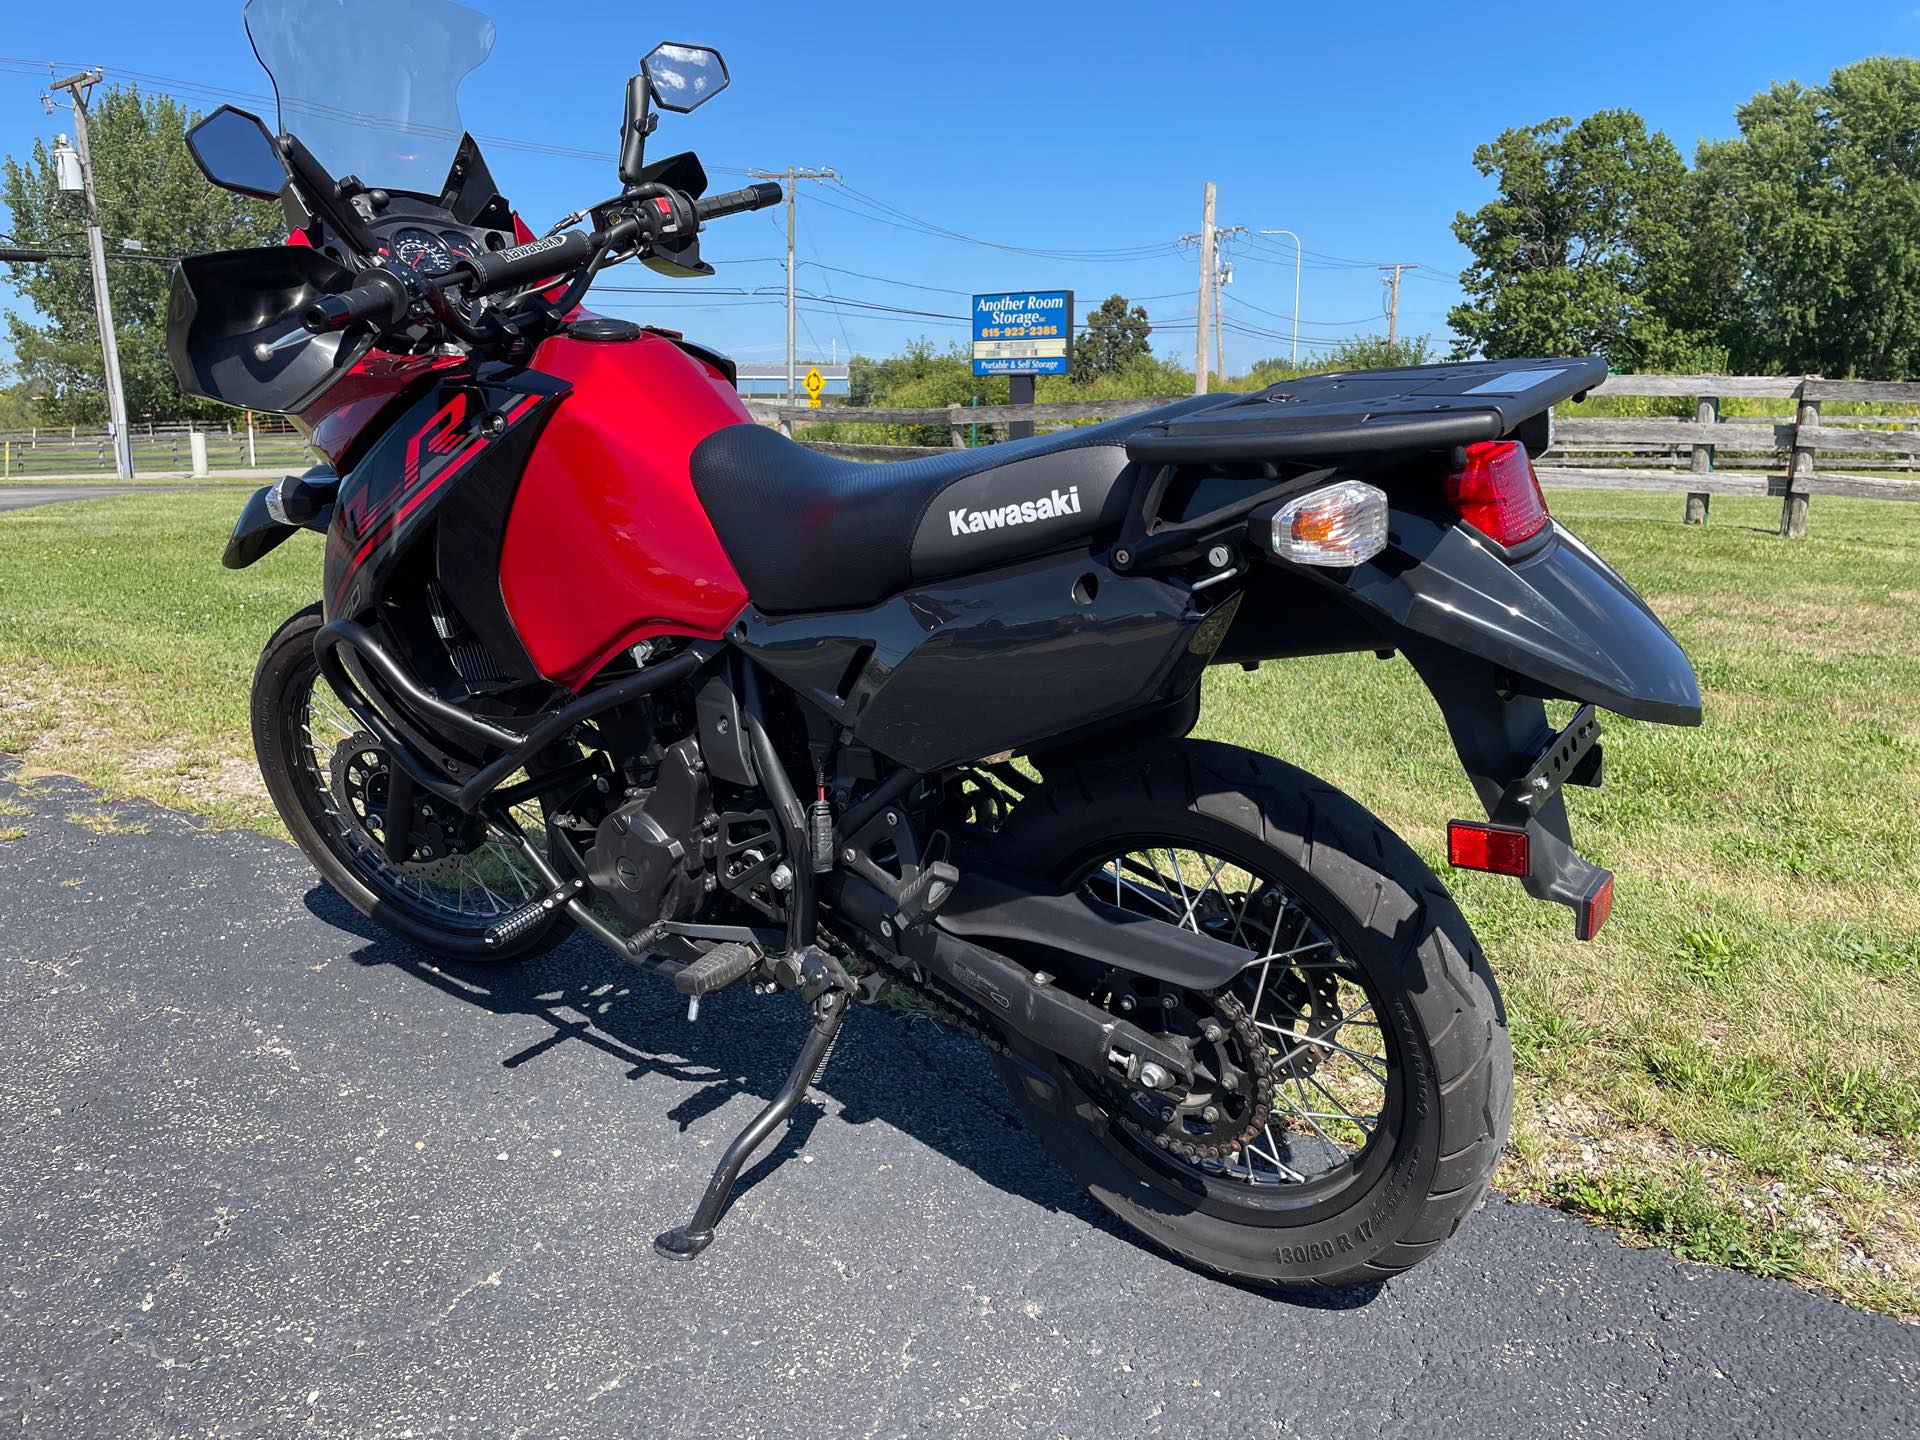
x,y
380,298
385,300
735,202
535,260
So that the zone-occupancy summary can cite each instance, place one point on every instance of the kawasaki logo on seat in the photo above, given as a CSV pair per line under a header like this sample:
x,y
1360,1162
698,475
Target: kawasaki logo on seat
x,y
975,522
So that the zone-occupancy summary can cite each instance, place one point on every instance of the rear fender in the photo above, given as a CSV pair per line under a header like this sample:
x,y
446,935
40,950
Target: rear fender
x,y
1493,633
1555,617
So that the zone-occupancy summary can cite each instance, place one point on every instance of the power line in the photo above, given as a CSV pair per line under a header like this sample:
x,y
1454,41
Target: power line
x,y
1320,324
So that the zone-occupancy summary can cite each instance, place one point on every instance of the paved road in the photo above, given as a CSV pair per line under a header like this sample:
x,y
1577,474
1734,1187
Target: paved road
x,y
19,497
266,1173
48,492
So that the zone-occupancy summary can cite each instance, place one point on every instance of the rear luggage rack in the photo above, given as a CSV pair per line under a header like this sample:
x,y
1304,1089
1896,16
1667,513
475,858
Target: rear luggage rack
x,y
1368,412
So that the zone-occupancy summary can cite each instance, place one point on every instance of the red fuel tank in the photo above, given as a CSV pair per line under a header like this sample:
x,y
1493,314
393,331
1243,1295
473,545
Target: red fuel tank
x,y
607,544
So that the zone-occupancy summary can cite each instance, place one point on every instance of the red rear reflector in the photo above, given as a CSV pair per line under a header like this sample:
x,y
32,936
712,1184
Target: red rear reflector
x,y
1592,912
1496,849
1497,492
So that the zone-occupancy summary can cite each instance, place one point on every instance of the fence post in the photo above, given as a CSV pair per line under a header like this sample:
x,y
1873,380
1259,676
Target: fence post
x,y
954,437
1793,510
1706,411
252,457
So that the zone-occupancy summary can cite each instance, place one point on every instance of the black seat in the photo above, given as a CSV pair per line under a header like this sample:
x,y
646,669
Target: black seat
x,y
809,532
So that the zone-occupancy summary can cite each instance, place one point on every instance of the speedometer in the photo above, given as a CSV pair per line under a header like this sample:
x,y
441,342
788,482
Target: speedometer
x,y
421,250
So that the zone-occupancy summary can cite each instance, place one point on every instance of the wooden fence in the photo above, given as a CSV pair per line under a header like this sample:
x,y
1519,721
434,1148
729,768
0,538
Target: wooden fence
x,y
1816,449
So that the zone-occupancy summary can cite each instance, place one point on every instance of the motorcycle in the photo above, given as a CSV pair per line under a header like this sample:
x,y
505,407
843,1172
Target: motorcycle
x,y
596,653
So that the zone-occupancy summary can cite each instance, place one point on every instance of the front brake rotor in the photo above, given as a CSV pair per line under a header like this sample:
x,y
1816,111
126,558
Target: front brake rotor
x,y
359,775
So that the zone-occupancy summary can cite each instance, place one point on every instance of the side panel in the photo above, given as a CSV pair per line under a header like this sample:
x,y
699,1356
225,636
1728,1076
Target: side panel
x,y
607,543
954,671
390,500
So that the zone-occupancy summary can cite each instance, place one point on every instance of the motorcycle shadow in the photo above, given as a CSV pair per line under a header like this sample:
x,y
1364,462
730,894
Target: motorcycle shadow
x,y
911,1073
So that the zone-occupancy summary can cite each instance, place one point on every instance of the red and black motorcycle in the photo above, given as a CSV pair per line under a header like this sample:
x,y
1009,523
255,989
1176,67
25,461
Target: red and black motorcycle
x,y
595,652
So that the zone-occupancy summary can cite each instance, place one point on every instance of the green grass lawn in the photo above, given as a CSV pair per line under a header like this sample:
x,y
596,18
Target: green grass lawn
x,y
1730,1070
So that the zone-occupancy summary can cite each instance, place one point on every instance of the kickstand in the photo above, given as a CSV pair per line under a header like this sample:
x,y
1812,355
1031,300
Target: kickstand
x,y
827,988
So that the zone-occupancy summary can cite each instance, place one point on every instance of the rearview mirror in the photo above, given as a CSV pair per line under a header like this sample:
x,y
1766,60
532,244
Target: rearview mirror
x,y
235,152
683,77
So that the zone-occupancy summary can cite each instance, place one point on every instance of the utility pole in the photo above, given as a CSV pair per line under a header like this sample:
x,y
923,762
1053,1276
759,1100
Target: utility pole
x,y
77,86
1212,277
1393,306
1206,293
792,175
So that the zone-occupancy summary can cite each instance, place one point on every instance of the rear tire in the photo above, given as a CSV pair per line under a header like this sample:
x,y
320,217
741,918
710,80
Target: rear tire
x,y
1449,1083
286,675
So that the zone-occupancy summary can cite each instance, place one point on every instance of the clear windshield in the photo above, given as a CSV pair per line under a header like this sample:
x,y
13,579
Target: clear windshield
x,y
372,87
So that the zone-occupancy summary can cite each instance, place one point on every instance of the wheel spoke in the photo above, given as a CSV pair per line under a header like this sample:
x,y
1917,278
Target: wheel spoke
x,y
1300,992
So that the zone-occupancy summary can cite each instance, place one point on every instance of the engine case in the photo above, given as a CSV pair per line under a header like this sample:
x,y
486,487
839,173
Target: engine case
x,y
649,855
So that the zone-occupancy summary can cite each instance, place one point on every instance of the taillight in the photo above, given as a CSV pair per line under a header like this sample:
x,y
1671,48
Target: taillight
x,y
1496,849
1498,494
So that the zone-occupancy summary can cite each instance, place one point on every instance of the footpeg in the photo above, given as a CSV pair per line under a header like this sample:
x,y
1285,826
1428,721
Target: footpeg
x,y
717,969
521,921
922,897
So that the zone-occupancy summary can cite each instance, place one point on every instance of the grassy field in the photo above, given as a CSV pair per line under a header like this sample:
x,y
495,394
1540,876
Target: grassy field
x,y
1730,1070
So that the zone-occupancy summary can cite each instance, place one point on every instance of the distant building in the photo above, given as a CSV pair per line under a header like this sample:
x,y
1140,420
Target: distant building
x,y
769,382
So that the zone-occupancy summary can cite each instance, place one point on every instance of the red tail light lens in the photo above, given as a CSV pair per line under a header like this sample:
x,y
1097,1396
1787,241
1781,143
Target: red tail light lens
x,y
1498,494
1496,849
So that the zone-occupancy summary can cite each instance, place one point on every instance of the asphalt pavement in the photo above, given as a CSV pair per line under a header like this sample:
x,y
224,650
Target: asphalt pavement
x,y
50,492
19,497
267,1172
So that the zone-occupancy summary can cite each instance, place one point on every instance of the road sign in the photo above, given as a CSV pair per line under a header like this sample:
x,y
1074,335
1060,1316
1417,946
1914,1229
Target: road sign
x,y
815,383
1023,333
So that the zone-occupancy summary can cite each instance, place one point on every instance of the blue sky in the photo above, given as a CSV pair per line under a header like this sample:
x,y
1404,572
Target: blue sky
x,y
1063,128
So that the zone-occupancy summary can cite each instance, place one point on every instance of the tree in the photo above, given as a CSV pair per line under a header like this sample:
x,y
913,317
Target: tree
x,y
149,191
1583,249
1116,337
1807,226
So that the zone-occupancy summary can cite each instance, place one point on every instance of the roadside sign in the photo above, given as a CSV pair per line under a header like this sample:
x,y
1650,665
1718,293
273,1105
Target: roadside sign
x,y
1023,332
815,383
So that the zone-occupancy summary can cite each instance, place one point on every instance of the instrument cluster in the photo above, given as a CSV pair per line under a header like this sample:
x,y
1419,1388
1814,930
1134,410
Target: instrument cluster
x,y
429,252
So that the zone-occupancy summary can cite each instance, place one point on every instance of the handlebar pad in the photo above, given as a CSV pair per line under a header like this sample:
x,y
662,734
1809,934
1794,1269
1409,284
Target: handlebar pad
x,y
535,260
754,197
380,298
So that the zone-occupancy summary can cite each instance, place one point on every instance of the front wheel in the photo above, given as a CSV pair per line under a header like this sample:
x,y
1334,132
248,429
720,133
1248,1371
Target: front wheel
x,y
1352,1085
328,779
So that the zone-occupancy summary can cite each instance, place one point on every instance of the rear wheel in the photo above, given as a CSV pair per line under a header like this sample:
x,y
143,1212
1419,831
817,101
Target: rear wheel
x,y
329,781
1352,1084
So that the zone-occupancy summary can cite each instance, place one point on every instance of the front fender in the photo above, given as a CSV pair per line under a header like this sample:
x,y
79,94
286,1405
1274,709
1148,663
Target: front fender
x,y
273,512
